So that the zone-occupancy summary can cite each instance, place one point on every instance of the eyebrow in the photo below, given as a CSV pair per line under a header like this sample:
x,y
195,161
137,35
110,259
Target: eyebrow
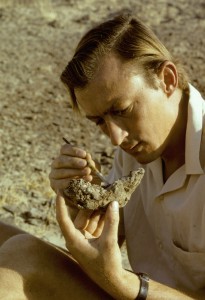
x,y
115,101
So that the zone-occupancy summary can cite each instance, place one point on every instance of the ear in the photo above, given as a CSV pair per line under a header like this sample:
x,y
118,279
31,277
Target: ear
x,y
168,76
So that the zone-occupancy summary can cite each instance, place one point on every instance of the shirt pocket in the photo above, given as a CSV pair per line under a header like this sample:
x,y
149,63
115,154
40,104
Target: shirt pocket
x,y
189,267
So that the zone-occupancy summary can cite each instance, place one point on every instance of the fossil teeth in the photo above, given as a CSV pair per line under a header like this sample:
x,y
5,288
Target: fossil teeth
x,y
85,195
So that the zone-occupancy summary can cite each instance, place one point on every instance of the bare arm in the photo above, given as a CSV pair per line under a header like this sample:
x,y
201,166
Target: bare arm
x,y
100,258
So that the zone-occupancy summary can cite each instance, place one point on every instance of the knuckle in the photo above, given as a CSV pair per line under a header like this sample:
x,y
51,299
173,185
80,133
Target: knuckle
x,y
55,163
62,149
60,162
72,161
66,149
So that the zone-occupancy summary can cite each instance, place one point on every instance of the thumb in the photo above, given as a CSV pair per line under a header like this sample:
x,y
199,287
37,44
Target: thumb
x,y
110,230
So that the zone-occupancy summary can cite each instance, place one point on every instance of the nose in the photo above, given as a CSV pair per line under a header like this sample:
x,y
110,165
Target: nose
x,y
115,133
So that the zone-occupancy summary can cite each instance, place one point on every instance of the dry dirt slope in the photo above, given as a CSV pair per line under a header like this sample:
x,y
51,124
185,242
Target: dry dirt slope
x,y
37,39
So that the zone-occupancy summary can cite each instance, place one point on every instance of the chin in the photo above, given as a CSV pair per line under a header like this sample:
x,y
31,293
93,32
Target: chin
x,y
144,158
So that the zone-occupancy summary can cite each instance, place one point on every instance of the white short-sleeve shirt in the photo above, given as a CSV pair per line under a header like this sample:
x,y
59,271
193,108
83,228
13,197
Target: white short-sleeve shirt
x,y
164,224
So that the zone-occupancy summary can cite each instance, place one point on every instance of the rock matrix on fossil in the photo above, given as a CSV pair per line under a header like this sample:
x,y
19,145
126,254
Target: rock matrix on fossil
x,y
85,195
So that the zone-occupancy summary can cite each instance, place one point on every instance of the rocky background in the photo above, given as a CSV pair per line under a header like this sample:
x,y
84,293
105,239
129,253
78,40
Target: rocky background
x,y
37,38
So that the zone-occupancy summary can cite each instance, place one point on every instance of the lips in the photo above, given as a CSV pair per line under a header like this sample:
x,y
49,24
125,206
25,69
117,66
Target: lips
x,y
130,149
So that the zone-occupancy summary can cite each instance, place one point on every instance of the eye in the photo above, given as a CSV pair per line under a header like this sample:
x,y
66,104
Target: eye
x,y
96,120
99,122
121,112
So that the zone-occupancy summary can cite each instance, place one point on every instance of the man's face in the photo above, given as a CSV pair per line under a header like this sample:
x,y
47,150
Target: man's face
x,y
135,116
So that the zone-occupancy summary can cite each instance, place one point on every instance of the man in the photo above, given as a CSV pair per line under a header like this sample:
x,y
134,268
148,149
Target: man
x,y
126,82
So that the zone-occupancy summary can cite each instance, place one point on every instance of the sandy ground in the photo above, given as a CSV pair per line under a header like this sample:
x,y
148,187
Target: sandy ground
x,y
37,39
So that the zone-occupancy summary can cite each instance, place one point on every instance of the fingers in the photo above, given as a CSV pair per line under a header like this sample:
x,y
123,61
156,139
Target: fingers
x,y
61,184
75,239
58,185
63,218
95,222
98,231
71,163
72,151
68,167
65,161
110,230
89,160
91,221
69,173
82,219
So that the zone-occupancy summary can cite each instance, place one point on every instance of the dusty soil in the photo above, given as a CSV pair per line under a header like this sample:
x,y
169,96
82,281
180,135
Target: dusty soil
x,y
37,39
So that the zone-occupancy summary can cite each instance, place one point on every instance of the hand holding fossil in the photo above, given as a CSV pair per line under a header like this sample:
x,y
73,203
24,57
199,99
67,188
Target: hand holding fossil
x,y
85,195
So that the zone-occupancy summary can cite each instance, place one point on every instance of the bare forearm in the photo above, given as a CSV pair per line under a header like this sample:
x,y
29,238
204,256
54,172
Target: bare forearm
x,y
159,291
128,287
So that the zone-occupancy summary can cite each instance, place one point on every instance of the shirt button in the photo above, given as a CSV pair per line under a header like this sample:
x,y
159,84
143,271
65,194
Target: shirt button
x,y
159,243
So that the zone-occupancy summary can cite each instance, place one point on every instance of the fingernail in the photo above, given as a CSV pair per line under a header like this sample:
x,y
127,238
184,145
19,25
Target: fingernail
x,y
115,206
81,153
82,163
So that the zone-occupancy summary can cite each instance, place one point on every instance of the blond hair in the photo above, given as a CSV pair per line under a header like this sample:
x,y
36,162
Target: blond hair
x,y
130,40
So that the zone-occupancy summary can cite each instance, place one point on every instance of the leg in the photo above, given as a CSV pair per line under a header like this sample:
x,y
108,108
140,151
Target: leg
x,y
33,269
7,231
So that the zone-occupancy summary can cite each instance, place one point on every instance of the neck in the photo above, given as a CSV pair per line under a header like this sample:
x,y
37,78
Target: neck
x,y
170,167
174,157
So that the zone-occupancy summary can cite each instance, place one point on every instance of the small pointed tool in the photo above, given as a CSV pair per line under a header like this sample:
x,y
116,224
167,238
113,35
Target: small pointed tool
x,y
93,168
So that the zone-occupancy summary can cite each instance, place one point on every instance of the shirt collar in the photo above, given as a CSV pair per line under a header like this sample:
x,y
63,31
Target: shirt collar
x,y
194,133
192,152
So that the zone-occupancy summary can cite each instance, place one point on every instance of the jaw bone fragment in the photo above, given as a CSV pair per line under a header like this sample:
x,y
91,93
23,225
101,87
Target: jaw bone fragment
x,y
85,195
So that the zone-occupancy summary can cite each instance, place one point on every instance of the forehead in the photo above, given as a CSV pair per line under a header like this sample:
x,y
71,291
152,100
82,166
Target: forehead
x,y
113,82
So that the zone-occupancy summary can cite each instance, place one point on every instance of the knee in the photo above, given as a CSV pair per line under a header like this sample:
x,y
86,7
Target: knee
x,y
19,251
7,231
21,268
17,242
